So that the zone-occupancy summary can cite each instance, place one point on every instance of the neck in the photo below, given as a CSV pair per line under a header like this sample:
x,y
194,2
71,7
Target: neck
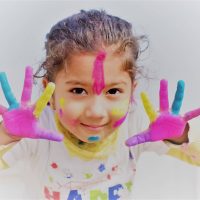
x,y
87,151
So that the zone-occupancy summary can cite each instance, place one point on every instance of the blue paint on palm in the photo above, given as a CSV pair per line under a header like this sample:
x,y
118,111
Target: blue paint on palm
x,y
93,138
178,99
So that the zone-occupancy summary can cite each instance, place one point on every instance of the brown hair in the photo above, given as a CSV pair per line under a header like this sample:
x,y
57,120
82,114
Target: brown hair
x,y
89,31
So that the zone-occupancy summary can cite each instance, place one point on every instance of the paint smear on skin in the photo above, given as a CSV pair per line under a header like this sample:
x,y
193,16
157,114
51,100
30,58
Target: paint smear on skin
x,y
62,104
120,121
73,122
93,138
120,110
98,73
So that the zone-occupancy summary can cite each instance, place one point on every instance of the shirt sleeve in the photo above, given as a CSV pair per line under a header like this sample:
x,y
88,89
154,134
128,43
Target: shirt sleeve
x,y
3,150
187,152
21,151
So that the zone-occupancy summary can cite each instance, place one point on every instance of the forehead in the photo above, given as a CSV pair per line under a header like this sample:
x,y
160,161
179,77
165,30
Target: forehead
x,y
81,67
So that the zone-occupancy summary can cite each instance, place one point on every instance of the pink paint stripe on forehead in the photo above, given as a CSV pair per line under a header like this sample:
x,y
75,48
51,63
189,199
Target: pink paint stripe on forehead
x,y
98,73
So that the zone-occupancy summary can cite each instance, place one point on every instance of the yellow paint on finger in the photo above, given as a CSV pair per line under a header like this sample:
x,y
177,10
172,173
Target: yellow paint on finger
x,y
43,100
149,109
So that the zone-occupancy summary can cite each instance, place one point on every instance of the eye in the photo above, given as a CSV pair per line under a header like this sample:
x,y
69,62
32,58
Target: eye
x,y
78,91
113,91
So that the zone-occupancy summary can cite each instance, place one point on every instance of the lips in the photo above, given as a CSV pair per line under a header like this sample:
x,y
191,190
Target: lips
x,y
93,127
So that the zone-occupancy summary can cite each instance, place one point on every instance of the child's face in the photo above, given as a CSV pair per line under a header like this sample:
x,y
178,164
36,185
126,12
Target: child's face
x,y
86,114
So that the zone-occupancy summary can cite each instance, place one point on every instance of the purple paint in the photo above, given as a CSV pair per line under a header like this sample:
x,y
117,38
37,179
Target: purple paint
x,y
60,112
101,167
98,73
120,121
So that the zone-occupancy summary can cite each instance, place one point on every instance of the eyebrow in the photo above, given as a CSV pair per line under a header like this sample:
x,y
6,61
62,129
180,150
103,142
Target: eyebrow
x,y
75,82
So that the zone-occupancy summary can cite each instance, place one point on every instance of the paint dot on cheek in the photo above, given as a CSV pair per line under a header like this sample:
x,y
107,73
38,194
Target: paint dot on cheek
x,y
60,112
62,102
117,112
93,138
73,122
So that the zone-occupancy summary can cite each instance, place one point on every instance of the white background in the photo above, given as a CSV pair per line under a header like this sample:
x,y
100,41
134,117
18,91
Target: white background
x,y
173,28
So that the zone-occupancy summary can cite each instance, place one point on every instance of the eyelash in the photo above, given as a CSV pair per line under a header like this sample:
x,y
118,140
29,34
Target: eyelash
x,y
116,89
79,91
74,91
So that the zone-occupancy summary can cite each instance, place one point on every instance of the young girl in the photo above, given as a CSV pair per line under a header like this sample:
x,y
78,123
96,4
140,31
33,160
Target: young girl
x,y
91,60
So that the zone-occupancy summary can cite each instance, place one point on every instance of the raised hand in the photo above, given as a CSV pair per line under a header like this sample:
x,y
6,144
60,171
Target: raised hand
x,y
166,124
21,119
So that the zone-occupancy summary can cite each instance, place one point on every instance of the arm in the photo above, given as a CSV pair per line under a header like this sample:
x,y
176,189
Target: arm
x,y
188,152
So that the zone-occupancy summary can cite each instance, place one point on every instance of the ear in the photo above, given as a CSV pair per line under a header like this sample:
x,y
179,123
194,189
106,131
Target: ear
x,y
134,85
45,82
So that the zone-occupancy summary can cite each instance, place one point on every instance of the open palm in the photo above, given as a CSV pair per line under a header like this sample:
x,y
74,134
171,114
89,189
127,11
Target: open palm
x,y
21,119
166,124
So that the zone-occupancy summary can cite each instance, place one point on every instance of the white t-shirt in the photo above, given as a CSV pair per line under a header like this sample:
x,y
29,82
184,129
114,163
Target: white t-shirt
x,y
49,171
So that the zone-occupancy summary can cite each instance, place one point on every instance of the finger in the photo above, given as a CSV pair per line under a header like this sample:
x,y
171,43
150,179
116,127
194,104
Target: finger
x,y
191,114
49,135
148,107
178,99
44,98
7,91
138,139
28,83
164,102
2,110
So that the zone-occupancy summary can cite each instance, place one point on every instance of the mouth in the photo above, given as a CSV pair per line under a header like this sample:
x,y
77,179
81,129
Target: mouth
x,y
93,127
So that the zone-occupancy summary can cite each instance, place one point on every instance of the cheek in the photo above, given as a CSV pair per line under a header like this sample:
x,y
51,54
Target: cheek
x,y
119,113
68,112
120,109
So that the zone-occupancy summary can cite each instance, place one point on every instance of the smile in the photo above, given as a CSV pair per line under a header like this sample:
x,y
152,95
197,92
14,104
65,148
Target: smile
x,y
93,127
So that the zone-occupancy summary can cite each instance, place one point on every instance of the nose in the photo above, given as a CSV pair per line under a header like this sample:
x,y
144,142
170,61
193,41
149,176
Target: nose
x,y
96,108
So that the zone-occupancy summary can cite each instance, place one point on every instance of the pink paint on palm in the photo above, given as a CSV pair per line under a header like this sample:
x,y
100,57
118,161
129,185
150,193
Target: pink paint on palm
x,y
22,123
28,82
164,103
98,73
166,126
120,121
192,114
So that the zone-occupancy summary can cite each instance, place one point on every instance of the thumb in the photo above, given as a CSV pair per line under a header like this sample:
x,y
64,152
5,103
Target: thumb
x,y
138,139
